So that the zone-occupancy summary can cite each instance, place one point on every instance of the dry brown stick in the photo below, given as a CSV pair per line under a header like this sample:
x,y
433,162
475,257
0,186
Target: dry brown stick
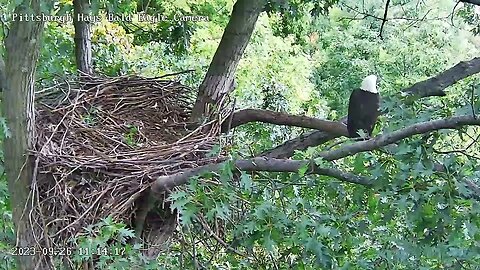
x,y
175,73
84,213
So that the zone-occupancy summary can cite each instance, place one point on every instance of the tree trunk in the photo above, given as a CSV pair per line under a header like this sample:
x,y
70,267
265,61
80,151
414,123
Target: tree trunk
x,y
220,74
18,107
83,41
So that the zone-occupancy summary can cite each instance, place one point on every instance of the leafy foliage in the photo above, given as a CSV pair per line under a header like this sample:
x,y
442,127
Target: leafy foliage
x,y
57,53
109,244
295,16
415,217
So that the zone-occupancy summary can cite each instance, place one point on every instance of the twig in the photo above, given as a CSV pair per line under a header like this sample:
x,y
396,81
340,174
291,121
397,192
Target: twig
x,y
384,20
216,237
175,73
472,101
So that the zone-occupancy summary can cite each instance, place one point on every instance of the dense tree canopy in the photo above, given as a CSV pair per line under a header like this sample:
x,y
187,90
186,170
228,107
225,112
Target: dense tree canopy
x,y
295,193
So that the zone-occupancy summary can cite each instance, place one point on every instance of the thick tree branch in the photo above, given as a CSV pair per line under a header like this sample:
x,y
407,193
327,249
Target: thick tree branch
x,y
473,188
303,142
288,148
168,182
278,118
436,85
285,165
474,2
386,139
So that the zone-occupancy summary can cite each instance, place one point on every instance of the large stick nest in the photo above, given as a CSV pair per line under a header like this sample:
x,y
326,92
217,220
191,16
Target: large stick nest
x,y
101,143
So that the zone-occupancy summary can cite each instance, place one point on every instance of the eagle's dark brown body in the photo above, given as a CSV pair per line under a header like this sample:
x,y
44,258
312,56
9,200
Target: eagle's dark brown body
x,y
363,111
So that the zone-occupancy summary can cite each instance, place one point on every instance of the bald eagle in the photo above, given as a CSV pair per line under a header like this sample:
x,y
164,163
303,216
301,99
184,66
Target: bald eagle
x,y
363,108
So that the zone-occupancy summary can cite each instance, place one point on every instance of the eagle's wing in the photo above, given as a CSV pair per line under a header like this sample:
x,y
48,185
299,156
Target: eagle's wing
x,y
354,109
371,112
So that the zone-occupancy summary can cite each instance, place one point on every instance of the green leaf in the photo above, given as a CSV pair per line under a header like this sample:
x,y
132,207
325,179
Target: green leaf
x,y
179,204
126,233
188,214
215,151
268,242
303,169
320,161
246,182
4,128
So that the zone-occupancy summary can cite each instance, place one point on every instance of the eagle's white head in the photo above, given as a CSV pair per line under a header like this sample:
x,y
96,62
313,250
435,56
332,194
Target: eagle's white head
x,y
369,84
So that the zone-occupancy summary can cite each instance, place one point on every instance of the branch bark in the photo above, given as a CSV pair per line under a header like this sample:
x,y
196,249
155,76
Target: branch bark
x,y
168,182
301,143
436,85
255,115
386,139
288,148
474,2
285,165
